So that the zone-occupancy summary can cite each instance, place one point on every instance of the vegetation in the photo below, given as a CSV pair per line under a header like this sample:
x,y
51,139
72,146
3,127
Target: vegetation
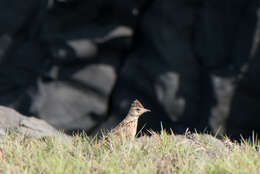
x,y
159,153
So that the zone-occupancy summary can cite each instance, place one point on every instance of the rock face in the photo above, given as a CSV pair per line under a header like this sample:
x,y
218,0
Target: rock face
x,y
28,126
79,64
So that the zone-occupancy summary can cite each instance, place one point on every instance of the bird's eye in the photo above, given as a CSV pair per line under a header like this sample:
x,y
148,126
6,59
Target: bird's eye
x,y
138,109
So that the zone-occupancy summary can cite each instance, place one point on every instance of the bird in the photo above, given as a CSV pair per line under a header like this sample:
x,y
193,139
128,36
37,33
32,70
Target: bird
x,y
128,127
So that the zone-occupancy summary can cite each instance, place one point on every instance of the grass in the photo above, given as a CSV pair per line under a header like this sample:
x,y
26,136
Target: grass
x,y
160,153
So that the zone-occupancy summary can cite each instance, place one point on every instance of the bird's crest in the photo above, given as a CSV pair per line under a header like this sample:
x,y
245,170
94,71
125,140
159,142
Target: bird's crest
x,y
136,103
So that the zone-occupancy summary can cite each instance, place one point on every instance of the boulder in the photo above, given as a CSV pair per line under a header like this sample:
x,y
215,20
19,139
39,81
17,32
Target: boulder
x,y
24,125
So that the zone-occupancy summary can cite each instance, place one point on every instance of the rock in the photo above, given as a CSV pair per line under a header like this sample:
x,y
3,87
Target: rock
x,y
223,91
82,104
206,145
162,71
73,62
9,118
34,127
186,60
16,14
28,126
245,106
78,64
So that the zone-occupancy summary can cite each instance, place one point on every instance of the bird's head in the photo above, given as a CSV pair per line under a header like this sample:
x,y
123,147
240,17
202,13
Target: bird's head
x,y
137,109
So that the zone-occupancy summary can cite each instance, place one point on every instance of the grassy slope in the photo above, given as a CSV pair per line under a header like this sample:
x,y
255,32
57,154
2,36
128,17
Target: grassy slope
x,y
156,154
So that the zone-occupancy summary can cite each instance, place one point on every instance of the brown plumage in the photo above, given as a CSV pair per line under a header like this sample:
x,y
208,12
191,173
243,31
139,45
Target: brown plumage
x,y
128,126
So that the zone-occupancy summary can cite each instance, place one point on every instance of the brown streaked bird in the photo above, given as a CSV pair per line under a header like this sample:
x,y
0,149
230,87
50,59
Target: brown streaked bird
x,y
128,126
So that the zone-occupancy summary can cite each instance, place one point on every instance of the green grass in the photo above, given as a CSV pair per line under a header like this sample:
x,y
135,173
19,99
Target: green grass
x,y
160,153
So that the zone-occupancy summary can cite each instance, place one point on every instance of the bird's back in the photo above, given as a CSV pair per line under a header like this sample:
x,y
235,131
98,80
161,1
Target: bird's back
x,y
127,127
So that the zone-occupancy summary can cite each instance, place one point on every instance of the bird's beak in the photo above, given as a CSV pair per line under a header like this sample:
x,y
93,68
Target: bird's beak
x,y
147,110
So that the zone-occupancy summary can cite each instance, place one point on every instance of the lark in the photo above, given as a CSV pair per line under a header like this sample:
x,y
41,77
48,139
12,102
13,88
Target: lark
x,y
128,126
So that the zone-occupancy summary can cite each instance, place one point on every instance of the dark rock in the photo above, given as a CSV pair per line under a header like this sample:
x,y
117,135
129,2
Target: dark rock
x,y
185,68
80,63
17,16
243,119
162,71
